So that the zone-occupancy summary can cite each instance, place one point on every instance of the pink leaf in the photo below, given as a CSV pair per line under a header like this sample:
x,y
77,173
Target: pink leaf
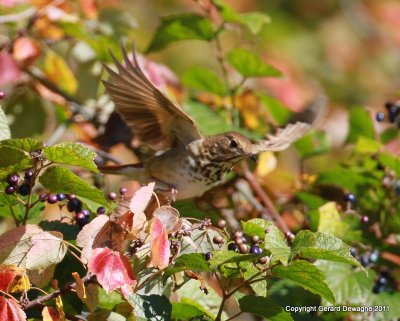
x,y
9,71
159,250
169,217
10,310
112,270
141,199
25,51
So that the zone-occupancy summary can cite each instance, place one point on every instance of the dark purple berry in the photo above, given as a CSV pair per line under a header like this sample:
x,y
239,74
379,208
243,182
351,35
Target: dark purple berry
x,y
244,238
112,196
232,247
123,190
2,94
389,105
364,219
374,257
86,213
393,113
13,179
60,197
364,260
101,210
255,250
81,219
349,197
10,190
29,174
208,256
42,197
221,223
71,197
382,280
380,117
74,205
24,189
353,251
52,199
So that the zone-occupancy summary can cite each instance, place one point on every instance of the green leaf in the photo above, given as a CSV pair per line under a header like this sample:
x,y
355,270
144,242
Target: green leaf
x,y
388,135
367,146
5,132
314,143
311,200
330,220
203,79
391,161
307,275
389,302
185,311
24,144
349,285
192,261
260,288
250,65
13,160
200,241
256,226
276,109
221,257
152,307
228,13
263,307
275,242
321,246
360,124
254,21
187,26
62,180
72,154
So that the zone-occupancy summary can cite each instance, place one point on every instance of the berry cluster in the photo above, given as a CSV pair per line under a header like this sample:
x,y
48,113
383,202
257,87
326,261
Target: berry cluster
x,y
393,113
366,258
240,244
350,199
19,184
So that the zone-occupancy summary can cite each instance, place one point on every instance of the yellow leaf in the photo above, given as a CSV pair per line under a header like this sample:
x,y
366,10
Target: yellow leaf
x,y
80,286
59,72
50,314
266,163
60,308
249,106
330,220
20,284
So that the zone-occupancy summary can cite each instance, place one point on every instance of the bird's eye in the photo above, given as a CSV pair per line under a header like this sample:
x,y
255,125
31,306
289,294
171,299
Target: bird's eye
x,y
233,143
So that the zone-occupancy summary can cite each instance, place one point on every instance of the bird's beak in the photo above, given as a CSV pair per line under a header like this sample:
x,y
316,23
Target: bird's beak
x,y
253,157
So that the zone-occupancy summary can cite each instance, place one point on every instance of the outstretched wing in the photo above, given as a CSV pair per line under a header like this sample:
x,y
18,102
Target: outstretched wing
x,y
155,119
283,138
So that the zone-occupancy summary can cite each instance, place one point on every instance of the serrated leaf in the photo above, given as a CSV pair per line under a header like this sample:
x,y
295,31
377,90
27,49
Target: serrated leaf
x,y
360,124
263,307
74,154
275,242
193,261
254,21
200,241
250,65
62,180
321,246
221,257
348,285
186,26
5,132
260,288
204,79
306,275
24,144
13,160
256,226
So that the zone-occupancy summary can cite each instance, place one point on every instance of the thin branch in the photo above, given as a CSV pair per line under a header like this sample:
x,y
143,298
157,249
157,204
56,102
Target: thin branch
x,y
264,198
234,316
28,13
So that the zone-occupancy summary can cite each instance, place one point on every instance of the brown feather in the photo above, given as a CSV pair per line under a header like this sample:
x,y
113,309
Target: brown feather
x,y
154,118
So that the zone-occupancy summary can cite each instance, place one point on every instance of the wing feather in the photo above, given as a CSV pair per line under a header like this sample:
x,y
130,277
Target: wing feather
x,y
154,118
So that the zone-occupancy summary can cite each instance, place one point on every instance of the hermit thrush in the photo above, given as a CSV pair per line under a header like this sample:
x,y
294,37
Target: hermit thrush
x,y
187,163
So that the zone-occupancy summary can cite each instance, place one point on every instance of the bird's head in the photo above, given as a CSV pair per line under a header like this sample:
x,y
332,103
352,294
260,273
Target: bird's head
x,y
229,147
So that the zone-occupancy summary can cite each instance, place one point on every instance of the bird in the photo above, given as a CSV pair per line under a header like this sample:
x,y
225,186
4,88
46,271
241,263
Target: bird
x,y
187,163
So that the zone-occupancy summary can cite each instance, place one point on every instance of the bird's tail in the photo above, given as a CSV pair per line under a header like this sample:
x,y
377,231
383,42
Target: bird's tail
x,y
135,172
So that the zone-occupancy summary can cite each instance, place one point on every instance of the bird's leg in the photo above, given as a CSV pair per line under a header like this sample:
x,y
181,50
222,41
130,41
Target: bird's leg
x,y
167,190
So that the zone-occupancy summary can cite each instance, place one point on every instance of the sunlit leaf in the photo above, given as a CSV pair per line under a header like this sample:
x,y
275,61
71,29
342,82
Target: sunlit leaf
x,y
58,71
204,79
264,308
160,246
10,310
5,132
360,122
181,27
330,220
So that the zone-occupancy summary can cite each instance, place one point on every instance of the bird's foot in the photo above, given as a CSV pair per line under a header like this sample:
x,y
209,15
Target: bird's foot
x,y
167,191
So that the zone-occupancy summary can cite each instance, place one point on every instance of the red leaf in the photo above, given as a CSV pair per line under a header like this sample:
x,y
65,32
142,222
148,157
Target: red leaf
x,y
159,250
10,310
7,275
9,69
112,270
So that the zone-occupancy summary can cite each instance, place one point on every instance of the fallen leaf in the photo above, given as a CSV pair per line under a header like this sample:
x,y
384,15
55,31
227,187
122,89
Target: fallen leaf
x,y
169,217
113,270
80,286
10,310
159,245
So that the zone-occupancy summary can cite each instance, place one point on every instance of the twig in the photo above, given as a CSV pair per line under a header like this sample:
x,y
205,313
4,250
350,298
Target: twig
x,y
234,316
28,13
66,289
264,198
